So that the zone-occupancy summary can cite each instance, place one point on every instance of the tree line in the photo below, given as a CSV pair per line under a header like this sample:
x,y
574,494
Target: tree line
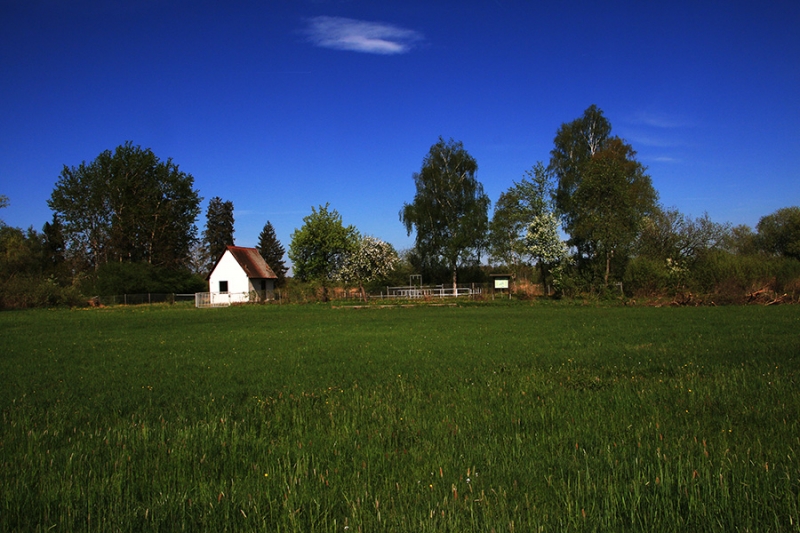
x,y
124,223
586,221
589,222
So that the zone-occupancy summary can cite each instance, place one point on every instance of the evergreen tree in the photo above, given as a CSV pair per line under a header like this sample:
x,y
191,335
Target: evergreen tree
x,y
219,228
272,251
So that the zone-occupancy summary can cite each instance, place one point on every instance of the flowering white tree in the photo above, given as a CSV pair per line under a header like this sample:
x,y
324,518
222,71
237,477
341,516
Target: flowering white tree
x,y
544,243
370,260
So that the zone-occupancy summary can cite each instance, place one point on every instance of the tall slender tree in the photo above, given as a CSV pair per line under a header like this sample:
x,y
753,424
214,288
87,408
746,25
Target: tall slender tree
x,y
603,192
610,204
272,251
219,227
450,209
575,144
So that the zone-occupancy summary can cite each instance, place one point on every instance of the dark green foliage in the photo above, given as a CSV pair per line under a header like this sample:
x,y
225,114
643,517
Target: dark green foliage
x,y
717,276
54,244
320,245
603,194
513,213
575,144
20,252
28,275
779,233
137,278
450,209
127,206
29,290
741,240
272,251
646,276
219,229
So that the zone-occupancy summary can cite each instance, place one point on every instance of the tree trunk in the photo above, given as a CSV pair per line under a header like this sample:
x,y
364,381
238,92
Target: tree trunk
x,y
608,267
455,280
544,278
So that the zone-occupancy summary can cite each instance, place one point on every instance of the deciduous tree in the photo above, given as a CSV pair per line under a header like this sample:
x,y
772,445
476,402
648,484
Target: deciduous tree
x,y
575,144
319,247
371,259
518,207
450,209
127,206
610,202
779,233
603,192
544,243
669,234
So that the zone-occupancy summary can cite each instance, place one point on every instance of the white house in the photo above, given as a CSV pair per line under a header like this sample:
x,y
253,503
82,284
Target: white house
x,y
240,275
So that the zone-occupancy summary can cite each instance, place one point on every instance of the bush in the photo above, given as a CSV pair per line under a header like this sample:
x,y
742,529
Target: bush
x,y
22,292
646,277
138,278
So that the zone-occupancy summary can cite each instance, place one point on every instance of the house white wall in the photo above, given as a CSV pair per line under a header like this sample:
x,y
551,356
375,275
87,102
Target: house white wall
x,y
228,269
240,287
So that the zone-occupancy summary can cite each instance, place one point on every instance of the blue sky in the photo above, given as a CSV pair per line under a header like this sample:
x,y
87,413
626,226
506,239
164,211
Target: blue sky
x,y
281,106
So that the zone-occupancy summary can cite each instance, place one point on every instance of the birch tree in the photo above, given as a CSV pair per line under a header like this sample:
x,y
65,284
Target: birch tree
x,y
450,208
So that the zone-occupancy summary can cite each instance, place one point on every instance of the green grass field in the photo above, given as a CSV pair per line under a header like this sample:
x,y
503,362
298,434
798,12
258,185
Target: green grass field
x,y
477,418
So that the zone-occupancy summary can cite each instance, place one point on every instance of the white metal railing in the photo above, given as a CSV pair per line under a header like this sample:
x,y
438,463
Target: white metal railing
x,y
220,299
437,291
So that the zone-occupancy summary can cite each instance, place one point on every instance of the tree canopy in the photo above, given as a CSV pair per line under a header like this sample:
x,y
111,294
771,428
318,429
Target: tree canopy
x,y
575,144
371,259
603,192
450,209
669,234
779,233
127,205
319,247
521,205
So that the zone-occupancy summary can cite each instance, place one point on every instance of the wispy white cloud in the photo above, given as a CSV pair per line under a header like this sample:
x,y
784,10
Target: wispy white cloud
x,y
361,36
666,159
660,120
652,139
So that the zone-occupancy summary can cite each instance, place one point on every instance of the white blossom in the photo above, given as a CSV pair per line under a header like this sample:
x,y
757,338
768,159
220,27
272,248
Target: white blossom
x,y
543,241
372,259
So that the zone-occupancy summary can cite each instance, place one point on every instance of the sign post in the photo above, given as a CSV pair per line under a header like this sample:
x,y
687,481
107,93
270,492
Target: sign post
x,y
501,283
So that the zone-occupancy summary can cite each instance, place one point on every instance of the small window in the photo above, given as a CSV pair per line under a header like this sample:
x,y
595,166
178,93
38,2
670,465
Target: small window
x,y
263,284
223,287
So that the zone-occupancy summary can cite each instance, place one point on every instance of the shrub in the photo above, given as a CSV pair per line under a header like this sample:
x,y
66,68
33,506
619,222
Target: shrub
x,y
645,276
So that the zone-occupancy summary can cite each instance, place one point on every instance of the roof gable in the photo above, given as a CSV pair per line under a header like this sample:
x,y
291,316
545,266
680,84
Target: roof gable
x,y
251,262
